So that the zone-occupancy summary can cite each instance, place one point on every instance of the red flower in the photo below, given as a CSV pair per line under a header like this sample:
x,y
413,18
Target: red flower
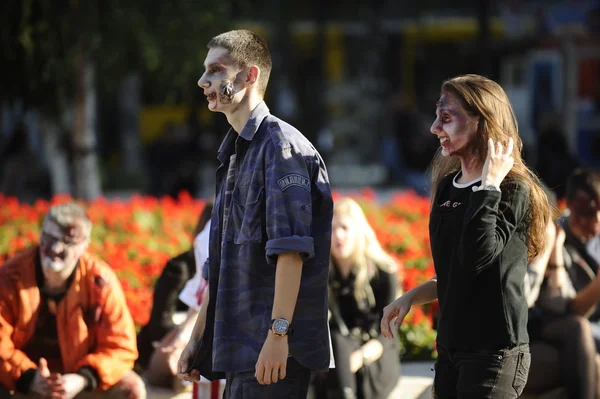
x,y
137,237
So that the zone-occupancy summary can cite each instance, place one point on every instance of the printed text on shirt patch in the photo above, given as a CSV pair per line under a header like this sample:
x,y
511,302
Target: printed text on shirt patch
x,y
293,179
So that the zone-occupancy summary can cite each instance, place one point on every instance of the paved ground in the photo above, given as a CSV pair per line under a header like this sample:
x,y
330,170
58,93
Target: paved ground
x,y
415,383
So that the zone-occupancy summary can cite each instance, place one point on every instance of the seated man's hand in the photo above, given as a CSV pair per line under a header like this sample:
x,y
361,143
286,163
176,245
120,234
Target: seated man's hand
x,y
63,387
72,385
45,383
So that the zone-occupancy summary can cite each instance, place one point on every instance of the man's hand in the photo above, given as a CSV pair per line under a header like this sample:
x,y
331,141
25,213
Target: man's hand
x,y
187,356
272,361
45,383
72,385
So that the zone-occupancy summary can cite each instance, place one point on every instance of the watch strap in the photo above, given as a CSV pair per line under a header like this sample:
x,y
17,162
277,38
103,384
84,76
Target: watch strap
x,y
488,187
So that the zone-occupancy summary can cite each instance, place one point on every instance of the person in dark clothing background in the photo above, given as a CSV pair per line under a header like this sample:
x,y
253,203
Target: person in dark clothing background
x,y
488,217
362,281
166,303
555,161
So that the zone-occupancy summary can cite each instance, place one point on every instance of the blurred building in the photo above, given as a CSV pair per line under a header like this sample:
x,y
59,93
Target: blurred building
x,y
360,79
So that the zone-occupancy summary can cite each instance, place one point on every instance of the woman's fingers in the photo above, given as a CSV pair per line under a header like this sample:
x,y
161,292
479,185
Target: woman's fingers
x,y
509,147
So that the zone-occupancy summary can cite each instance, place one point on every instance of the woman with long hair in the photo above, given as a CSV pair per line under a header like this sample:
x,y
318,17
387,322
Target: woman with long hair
x,y
488,219
362,281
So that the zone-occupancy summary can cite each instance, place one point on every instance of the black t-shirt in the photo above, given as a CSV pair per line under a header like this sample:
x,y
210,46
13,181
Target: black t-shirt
x,y
479,247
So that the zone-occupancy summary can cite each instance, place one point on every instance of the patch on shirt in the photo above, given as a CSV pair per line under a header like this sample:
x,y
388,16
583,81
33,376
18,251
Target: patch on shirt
x,y
293,179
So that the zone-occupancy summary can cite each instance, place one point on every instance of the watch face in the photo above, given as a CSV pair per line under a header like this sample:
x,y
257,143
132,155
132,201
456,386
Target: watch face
x,y
280,326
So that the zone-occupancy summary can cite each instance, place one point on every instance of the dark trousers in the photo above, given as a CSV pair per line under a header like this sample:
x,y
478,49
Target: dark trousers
x,y
244,385
564,355
495,374
374,381
595,326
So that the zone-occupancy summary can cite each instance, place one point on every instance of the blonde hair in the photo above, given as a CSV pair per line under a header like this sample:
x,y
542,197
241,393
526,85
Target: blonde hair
x,y
368,255
487,100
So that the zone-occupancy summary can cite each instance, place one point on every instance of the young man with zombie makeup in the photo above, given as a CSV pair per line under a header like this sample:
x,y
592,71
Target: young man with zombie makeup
x,y
265,327
65,329
488,217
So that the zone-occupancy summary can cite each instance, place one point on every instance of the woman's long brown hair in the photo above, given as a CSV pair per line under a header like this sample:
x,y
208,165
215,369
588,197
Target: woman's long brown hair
x,y
485,99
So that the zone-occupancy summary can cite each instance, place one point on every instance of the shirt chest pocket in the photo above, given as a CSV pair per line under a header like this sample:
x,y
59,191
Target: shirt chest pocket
x,y
246,224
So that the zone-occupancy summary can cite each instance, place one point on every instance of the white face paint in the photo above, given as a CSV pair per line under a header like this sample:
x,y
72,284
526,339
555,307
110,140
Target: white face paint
x,y
59,252
221,81
52,265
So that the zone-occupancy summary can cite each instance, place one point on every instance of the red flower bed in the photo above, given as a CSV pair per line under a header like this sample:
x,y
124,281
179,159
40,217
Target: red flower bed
x,y
136,237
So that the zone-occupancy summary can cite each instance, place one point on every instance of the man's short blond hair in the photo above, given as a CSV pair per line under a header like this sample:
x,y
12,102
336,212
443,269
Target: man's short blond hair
x,y
68,215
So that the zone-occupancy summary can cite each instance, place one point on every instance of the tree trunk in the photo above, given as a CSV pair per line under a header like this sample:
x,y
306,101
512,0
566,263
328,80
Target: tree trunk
x,y
85,165
372,81
283,62
129,107
56,156
484,54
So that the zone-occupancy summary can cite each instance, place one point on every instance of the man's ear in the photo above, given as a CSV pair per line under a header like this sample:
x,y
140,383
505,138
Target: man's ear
x,y
253,74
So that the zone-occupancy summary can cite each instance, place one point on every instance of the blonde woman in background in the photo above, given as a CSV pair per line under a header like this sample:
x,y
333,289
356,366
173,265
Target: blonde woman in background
x,y
362,281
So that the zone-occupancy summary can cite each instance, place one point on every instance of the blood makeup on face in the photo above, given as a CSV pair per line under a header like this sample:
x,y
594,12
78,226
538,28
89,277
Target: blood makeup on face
x,y
226,91
456,128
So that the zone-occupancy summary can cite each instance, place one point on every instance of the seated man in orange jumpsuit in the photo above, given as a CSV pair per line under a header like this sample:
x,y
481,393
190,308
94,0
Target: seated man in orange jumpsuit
x,y
65,329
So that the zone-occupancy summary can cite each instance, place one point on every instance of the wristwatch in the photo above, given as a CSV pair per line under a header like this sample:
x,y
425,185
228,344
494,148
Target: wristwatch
x,y
280,327
488,187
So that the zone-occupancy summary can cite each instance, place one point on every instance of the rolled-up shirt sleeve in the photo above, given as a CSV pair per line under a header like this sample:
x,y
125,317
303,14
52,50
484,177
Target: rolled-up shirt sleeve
x,y
288,186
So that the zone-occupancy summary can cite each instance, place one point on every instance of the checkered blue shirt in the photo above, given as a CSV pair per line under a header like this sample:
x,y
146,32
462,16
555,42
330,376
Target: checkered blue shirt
x,y
272,197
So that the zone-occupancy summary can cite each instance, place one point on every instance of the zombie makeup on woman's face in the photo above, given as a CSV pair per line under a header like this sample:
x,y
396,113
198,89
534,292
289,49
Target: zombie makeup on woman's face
x,y
455,128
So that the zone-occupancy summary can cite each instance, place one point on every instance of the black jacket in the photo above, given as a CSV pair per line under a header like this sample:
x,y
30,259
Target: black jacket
x,y
479,245
171,281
